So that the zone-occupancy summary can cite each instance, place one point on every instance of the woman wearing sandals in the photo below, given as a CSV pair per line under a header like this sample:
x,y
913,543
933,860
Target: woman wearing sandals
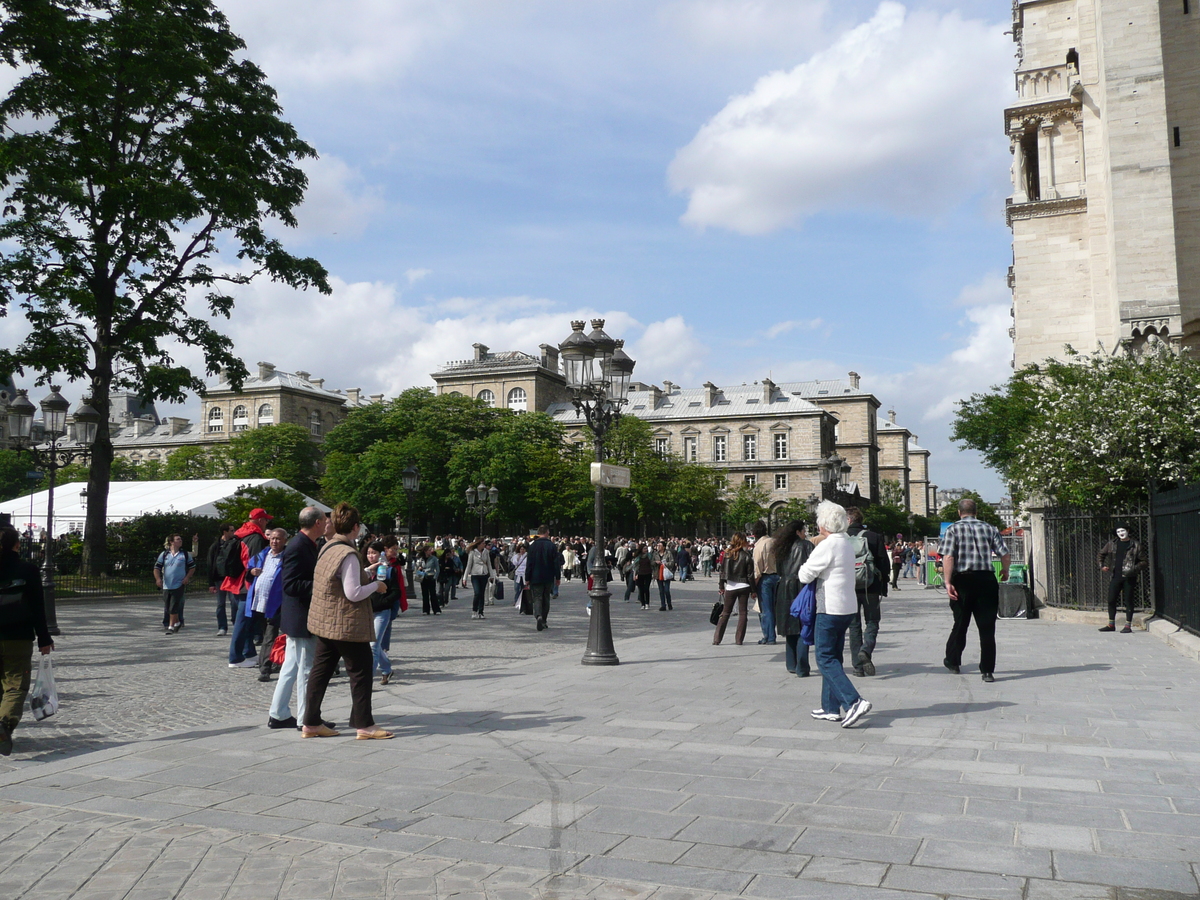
x,y
341,620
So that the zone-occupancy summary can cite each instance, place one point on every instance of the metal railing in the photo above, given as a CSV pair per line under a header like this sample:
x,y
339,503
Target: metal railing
x,y
125,573
1175,557
1073,541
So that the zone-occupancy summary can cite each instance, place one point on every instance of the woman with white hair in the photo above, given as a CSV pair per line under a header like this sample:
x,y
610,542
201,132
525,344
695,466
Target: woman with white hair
x,y
831,565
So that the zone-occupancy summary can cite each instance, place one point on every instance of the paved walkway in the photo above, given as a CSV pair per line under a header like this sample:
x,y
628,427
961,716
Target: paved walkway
x,y
690,771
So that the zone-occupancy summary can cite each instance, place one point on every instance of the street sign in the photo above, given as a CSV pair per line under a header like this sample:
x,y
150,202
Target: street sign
x,y
34,476
610,476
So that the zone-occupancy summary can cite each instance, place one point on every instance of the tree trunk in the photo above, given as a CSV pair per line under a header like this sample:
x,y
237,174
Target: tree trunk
x,y
95,533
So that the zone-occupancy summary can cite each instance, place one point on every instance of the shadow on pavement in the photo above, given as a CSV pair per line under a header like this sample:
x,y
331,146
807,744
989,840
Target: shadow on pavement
x,y
935,709
470,722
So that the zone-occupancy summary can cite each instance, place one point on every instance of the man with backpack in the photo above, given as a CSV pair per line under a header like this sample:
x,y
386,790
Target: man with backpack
x,y
233,559
872,565
173,569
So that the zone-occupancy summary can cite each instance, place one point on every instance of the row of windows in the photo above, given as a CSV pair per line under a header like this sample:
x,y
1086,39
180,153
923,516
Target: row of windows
x,y
720,447
517,399
781,480
266,416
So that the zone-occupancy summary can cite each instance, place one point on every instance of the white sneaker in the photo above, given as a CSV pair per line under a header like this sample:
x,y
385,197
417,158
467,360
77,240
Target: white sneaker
x,y
249,663
826,716
589,610
222,633
856,712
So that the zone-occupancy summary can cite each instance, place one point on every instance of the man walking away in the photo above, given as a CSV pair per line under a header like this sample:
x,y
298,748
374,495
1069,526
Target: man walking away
x,y
967,550
215,579
870,585
173,569
766,579
22,623
296,569
1125,558
541,566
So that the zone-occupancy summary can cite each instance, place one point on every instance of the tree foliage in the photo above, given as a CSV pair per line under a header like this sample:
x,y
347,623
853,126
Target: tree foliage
x,y
283,504
984,511
285,452
137,141
1093,430
747,505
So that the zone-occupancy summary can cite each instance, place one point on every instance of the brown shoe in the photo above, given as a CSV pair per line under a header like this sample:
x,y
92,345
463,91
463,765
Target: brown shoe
x,y
318,731
377,734
384,679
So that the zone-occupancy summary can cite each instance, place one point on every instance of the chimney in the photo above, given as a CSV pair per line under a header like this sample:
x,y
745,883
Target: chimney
x,y
549,357
768,387
892,416
318,383
178,425
655,396
854,381
480,352
669,386
377,398
303,376
352,395
145,425
222,375
266,370
710,394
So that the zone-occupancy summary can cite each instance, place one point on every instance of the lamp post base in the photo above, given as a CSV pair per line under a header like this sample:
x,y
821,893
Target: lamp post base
x,y
600,650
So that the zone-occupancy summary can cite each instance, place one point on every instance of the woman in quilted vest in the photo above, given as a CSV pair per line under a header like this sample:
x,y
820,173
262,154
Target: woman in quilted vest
x,y
341,620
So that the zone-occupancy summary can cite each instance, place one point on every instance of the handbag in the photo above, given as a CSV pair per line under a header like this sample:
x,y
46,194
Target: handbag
x,y
714,617
43,698
499,589
667,574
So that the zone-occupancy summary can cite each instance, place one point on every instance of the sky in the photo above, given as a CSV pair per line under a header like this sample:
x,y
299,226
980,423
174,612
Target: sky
x,y
742,188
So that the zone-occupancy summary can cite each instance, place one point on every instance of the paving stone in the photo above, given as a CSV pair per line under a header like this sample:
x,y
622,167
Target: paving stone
x,y
1153,874
877,848
845,871
985,858
955,883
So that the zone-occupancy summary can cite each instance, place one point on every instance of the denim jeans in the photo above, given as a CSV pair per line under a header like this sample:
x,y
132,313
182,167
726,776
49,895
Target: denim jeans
x,y
683,573
664,595
383,665
796,655
837,692
241,645
297,663
863,637
766,605
222,597
480,583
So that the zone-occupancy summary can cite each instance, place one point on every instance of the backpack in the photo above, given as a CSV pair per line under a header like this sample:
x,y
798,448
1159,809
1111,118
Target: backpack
x,y
864,562
13,608
229,558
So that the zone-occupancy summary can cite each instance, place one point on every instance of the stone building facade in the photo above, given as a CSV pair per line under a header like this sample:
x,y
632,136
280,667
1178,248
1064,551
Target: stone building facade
x,y
508,380
1105,210
905,462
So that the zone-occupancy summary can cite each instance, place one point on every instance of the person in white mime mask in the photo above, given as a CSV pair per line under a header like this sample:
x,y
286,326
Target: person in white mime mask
x,y
1125,558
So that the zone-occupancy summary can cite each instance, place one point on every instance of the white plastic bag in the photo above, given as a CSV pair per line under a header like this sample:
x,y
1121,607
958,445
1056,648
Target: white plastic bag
x,y
43,697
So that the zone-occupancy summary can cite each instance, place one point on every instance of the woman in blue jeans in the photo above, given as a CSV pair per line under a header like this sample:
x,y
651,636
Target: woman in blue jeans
x,y
831,565
791,549
382,605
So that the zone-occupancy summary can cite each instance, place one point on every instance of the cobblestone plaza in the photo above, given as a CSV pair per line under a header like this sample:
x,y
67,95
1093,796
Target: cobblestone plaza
x,y
690,771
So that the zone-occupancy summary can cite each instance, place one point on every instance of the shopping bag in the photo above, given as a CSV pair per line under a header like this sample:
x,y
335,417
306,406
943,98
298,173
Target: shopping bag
x,y
279,650
43,698
714,617
499,589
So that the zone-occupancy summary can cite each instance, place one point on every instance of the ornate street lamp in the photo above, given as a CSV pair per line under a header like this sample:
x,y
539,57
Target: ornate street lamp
x,y
483,500
410,480
597,372
51,457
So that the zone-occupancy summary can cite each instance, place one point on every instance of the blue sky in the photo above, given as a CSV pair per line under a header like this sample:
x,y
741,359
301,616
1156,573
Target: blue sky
x,y
742,187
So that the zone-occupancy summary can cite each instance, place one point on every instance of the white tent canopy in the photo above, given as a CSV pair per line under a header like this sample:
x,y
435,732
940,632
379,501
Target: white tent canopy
x,y
130,499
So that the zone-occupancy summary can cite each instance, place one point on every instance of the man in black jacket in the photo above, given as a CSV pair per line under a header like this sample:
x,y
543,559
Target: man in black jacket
x,y
541,568
862,639
215,579
299,564
22,619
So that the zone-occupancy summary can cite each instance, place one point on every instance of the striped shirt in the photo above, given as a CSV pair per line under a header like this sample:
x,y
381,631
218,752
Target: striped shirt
x,y
972,543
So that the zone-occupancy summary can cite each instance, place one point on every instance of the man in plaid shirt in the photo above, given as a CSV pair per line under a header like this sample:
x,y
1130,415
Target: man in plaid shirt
x,y
967,548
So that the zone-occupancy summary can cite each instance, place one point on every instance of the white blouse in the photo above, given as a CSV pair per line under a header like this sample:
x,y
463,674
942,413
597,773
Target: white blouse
x,y
833,562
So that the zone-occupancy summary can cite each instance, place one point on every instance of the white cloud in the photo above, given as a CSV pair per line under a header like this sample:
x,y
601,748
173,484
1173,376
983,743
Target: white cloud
x,y
987,291
669,349
415,275
747,24
792,325
338,204
899,113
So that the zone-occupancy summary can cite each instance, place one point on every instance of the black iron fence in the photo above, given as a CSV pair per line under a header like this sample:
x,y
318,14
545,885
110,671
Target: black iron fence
x,y
1073,541
1175,516
126,572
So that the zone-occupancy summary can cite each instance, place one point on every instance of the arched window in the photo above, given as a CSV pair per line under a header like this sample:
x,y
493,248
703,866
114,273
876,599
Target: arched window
x,y
488,398
314,422
216,420
517,399
241,418
266,415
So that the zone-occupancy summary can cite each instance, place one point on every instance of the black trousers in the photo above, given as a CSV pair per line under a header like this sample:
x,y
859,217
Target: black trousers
x,y
1121,584
978,598
429,595
270,632
359,667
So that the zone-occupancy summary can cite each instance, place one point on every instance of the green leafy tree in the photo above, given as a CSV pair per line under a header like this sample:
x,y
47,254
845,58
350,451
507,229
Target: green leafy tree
x,y
139,142
189,464
1092,430
283,504
984,511
282,451
891,493
14,467
747,505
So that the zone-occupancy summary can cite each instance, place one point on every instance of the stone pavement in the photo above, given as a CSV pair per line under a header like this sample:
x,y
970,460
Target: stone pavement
x,y
689,771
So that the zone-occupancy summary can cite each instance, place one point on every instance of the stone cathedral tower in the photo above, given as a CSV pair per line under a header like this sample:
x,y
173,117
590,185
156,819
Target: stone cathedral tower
x,y
1105,211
